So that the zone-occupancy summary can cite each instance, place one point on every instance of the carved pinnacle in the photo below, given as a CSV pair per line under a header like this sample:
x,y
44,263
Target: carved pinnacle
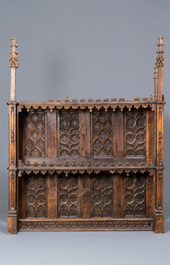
x,y
13,58
160,57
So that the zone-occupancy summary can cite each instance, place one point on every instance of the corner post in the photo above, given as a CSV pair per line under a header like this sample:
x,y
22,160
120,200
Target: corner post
x,y
159,214
12,211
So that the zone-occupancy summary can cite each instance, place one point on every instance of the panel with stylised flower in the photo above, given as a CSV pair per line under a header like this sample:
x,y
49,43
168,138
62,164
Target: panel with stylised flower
x,y
35,197
69,133
68,197
102,133
34,134
135,195
101,196
135,133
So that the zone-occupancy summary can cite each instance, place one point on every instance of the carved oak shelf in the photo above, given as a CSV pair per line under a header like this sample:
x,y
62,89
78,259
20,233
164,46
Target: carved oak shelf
x,y
86,164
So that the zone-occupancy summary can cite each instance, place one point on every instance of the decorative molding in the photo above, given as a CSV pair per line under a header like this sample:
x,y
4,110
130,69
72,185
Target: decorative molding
x,y
117,224
90,105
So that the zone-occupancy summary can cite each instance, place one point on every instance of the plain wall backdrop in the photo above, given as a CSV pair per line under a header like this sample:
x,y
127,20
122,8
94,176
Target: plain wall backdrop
x,y
83,49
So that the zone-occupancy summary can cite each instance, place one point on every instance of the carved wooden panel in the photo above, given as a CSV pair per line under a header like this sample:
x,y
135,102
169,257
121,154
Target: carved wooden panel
x,y
68,205
135,195
102,133
35,134
135,133
102,196
35,196
69,133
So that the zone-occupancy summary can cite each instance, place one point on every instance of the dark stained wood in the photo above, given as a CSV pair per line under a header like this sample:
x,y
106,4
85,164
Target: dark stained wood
x,y
150,198
118,196
118,136
84,196
51,134
51,196
150,137
85,134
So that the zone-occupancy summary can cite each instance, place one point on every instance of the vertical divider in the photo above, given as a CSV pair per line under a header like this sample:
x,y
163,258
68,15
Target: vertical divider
x,y
51,185
118,142
85,141
84,195
118,196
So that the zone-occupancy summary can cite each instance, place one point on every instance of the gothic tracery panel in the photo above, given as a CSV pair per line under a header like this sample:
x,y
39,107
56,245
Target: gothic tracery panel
x,y
135,133
69,133
102,196
68,197
35,134
135,196
35,200
102,133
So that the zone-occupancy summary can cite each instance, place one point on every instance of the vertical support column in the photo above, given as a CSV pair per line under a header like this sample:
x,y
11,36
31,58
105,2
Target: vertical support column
x,y
159,214
12,213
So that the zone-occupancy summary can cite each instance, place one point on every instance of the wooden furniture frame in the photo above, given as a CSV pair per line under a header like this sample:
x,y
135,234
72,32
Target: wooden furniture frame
x,y
86,165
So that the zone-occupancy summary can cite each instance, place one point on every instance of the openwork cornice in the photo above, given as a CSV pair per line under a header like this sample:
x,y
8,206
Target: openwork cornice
x,y
89,104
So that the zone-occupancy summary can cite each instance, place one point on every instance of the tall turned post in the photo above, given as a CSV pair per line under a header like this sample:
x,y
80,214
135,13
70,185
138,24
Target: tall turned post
x,y
12,212
159,214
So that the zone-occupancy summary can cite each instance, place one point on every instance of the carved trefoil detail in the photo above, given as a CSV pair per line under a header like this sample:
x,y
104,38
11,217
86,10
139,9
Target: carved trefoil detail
x,y
101,196
68,197
35,197
135,133
69,133
35,134
135,195
102,133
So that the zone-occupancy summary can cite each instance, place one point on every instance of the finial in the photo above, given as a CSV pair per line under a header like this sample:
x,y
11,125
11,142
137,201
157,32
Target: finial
x,y
160,57
13,58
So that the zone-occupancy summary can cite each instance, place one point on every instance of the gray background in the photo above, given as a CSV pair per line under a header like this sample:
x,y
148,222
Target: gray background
x,y
83,49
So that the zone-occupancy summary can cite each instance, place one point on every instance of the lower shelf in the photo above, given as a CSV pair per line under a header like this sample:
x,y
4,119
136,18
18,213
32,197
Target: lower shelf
x,y
89,224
